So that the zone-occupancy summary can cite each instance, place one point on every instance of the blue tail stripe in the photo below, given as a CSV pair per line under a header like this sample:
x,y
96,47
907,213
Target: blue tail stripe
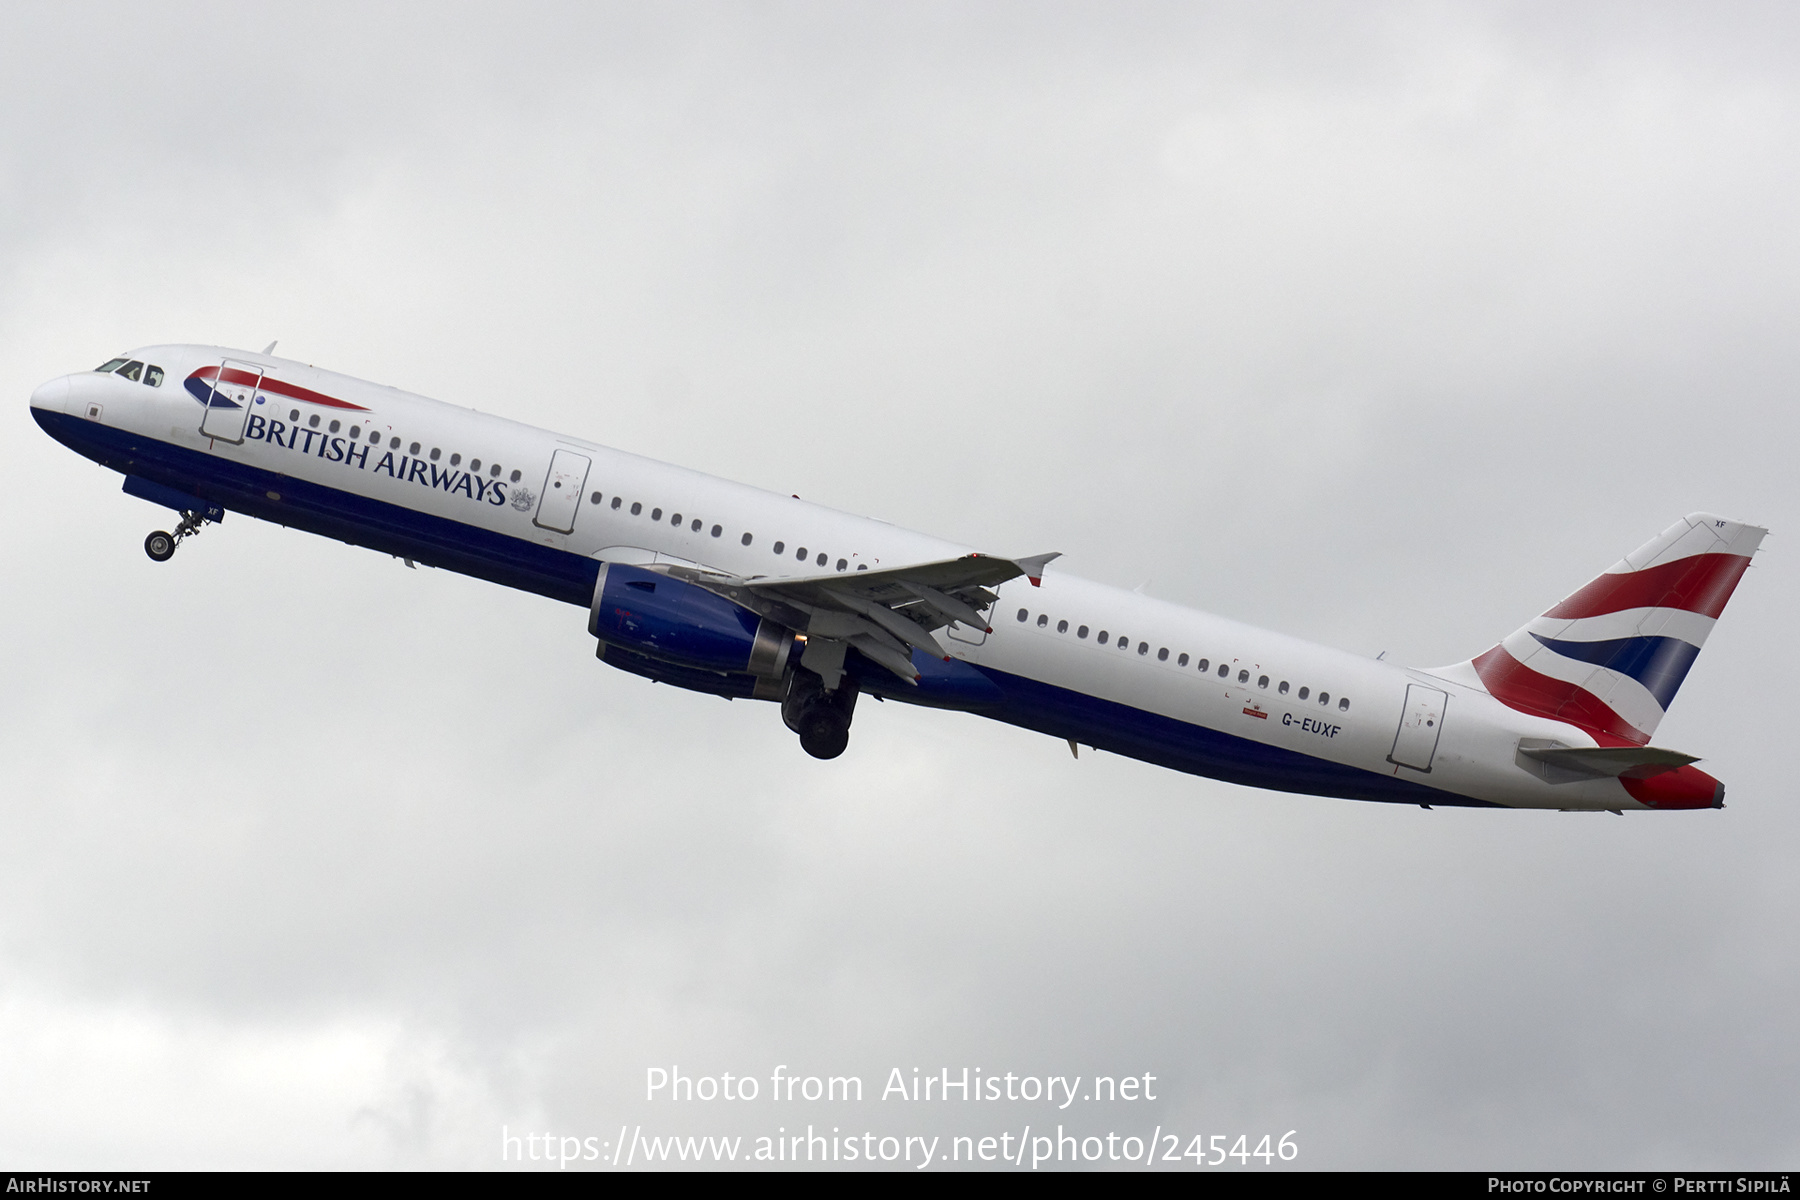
x,y
1659,663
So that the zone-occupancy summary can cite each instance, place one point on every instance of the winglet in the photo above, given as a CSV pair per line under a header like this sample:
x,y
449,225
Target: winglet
x,y
1034,566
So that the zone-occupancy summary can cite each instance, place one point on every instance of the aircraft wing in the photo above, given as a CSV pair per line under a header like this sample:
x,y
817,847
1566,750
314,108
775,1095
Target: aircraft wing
x,y
884,614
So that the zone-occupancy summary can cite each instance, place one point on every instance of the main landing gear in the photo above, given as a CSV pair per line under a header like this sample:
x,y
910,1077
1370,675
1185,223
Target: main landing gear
x,y
160,546
821,718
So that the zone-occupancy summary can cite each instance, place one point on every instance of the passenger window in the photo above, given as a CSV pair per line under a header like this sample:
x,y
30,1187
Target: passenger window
x,y
337,425
1143,647
312,422
1204,666
1243,677
516,475
675,520
636,508
413,450
821,561
694,527
355,432
435,452
1343,704
455,459
746,539
294,415
617,500
1304,693
1043,620
1101,637
780,547
1124,643
1023,614
717,530
1062,627
1163,655
133,370
656,514
1224,670
862,566
1082,632
1262,681
495,472
1283,688
395,445
800,554
1324,697
594,499
1182,661
475,465
842,564
153,376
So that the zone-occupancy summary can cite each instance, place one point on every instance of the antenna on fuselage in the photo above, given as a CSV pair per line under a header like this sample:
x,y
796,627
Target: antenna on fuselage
x,y
270,348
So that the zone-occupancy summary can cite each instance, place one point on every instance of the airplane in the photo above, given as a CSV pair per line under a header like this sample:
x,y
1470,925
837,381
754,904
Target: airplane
x,y
726,589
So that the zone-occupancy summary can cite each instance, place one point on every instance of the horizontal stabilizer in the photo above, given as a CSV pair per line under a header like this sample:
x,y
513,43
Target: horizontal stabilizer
x,y
1600,762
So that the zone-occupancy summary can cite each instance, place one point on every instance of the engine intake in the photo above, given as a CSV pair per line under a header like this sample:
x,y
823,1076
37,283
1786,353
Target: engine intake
x,y
675,622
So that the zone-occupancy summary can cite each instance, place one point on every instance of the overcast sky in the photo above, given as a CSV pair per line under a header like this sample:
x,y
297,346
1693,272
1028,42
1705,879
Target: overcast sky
x,y
1383,325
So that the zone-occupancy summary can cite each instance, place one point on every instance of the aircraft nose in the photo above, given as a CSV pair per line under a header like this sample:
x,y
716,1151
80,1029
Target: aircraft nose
x,y
52,395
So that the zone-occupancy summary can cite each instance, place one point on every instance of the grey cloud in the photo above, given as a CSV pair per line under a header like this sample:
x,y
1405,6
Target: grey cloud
x,y
1384,327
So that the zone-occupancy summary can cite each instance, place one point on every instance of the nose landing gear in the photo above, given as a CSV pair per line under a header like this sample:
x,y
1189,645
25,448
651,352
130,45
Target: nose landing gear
x,y
821,718
161,546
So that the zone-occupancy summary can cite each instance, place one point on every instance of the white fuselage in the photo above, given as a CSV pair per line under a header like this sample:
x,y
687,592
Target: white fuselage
x,y
418,471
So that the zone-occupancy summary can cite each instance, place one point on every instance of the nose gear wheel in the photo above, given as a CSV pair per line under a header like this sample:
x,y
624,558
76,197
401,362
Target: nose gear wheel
x,y
160,546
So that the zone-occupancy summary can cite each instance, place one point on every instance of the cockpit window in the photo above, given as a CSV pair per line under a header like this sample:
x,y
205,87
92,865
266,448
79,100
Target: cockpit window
x,y
153,376
133,370
110,365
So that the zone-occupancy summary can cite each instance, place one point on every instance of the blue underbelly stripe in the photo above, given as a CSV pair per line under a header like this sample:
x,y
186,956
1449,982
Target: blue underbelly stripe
x,y
361,521
1195,749
562,575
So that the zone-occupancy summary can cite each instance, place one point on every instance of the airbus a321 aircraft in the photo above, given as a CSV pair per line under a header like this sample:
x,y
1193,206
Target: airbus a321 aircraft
x,y
727,589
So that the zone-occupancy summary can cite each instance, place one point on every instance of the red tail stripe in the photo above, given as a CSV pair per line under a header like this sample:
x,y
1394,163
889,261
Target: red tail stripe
x,y
1700,584
1517,686
277,387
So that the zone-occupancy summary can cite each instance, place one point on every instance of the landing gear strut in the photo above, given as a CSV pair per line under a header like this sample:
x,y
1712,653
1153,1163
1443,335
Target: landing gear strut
x,y
160,546
821,718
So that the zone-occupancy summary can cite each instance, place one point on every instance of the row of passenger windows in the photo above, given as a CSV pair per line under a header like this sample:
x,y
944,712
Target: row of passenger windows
x,y
695,525
357,432
1204,665
133,370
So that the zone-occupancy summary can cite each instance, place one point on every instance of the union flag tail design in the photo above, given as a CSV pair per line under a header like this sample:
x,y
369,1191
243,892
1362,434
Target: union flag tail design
x,y
1611,657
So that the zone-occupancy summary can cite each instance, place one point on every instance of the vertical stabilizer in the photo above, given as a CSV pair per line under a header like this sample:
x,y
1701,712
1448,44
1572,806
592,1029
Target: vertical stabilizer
x,y
1611,657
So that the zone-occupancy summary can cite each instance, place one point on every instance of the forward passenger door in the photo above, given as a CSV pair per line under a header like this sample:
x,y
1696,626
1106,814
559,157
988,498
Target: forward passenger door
x,y
229,401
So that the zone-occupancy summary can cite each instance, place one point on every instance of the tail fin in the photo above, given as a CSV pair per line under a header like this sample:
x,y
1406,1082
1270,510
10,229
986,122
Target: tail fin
x,y
1611,657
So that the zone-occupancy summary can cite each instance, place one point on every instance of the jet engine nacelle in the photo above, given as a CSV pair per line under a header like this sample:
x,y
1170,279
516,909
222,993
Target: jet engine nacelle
x,y
678,623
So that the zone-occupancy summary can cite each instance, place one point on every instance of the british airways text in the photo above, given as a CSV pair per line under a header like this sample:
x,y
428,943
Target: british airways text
x,y
338,449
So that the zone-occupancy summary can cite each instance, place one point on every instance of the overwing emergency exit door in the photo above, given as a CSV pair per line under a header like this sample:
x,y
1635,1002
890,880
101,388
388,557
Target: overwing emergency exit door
x,y
562,491
229,400
1415,743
